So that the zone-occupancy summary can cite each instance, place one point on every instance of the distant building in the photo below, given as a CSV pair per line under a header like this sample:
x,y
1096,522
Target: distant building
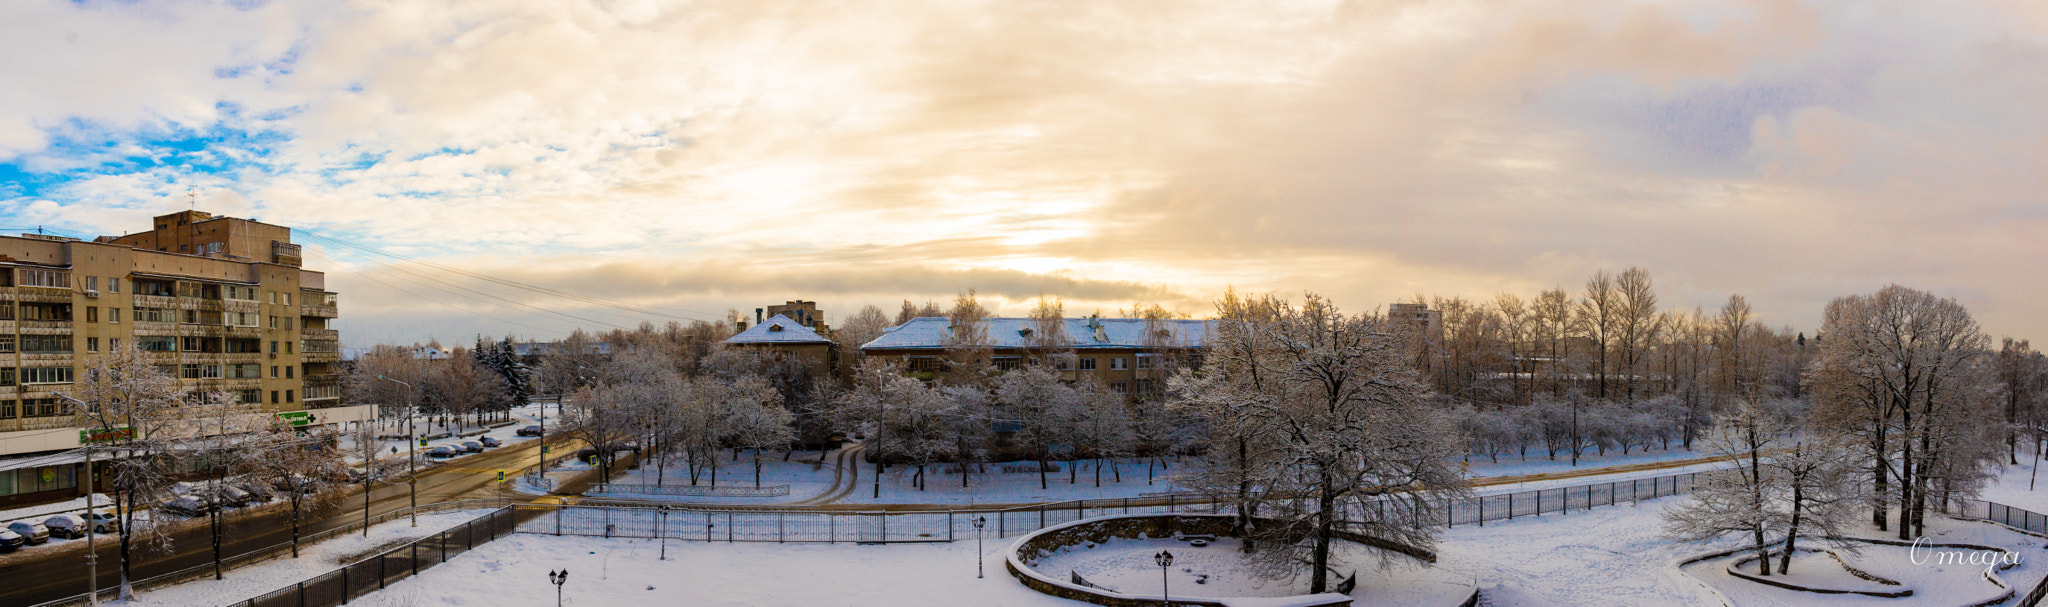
x,y
220,302
782,335
1425,329
1130,355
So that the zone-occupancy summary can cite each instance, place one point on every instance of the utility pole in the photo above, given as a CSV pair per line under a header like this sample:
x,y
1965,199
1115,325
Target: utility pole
x,y
412,478
92,553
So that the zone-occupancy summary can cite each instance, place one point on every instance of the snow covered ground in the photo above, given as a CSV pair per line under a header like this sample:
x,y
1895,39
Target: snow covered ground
x,y
2010,487
1218,571
1539,463
315,559
809,478
1934,584
424,425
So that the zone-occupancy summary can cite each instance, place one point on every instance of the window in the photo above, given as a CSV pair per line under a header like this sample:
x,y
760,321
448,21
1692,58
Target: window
x,y
6,343
1008,363
92,283
189,344
113,316
92,314
46,343
46,375
288,347
250,396
1147,386
191,317
273,397
92,344
1119,387
273,322
198,371
6,310
156,315
48,279
157,344
288,372
1119,364
245,371
287,323
240,319
7,409
1148,361
7,378
113,284
113,343
288,396
1087,364
242,293
273,350
1064,363
923,364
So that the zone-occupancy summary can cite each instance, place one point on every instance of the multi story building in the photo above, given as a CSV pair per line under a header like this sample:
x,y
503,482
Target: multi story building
x,y
785,336
222,303
1132,356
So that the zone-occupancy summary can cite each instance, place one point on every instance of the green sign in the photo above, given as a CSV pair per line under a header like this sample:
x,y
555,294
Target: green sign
x,y
296,418
101,436
423,442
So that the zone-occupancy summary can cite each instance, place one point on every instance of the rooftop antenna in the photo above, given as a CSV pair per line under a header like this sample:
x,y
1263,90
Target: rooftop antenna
x,y
193,194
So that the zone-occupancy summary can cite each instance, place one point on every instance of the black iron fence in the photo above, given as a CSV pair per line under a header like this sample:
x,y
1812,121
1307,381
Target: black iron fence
x,y
690,490
1564,500
829,526
2024,520
354,580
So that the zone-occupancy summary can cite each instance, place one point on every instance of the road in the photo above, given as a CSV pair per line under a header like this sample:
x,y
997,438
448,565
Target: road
x,y
33,578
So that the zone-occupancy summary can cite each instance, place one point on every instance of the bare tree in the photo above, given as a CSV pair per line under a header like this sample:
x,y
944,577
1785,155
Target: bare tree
x,y
126,399
301,466
1740,499
1600,316
1636,322
860,328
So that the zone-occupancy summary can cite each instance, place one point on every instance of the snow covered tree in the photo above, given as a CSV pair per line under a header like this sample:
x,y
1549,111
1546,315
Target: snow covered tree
x,y
1822,489
1742,499
1103,428
301,465
1343,423
1044,409
860,328
751,416
125,400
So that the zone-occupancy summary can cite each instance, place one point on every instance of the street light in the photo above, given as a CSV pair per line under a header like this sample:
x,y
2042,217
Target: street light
x,y
558,578
978,522
664,531
412,453
92,553
1164,559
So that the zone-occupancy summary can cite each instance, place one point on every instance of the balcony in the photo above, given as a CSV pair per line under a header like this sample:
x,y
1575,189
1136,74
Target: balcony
x,y
42,295
319,334
319,357
155,301
42,359
318,311
285,254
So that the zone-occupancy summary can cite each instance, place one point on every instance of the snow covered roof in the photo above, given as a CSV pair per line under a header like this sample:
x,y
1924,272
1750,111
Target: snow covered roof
x,y
778,329
542,348
1082,333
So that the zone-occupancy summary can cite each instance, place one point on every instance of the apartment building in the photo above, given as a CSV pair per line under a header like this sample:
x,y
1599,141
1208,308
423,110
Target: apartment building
x,y
222,303
785,336
1130,355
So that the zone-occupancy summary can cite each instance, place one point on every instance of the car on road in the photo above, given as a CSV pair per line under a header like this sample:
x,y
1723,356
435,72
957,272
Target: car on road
x,y
10,541
190,505
65,526
441,452
32,531
472,446
230,495
529,431
490,442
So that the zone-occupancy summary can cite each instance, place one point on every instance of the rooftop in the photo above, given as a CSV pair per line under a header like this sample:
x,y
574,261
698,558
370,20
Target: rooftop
x,y
932,332
778,329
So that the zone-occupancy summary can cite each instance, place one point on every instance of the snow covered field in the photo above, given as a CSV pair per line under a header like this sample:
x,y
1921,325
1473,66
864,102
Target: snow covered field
x,y
314,559
988,484
1218,571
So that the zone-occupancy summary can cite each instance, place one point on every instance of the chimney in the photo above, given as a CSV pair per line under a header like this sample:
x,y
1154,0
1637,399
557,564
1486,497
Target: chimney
x,y
757,316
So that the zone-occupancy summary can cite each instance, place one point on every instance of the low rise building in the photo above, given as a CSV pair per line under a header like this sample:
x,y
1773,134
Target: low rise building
x,y
1129,355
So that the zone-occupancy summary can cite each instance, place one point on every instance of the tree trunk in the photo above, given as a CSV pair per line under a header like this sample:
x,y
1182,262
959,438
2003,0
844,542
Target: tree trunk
x,y
1326,501
1792,533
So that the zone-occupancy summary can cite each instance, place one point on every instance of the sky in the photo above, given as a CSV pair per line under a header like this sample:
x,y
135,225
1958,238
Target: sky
x,y
687,158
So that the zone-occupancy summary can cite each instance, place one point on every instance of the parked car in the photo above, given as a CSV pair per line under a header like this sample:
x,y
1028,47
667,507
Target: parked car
x,y
10,541
230,495
32,531
529,431
66,526
472,446
104,521
297,484
190,505
490,442
442,452
258,493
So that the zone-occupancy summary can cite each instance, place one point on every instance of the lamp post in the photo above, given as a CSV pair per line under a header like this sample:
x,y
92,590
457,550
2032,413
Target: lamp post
x,y
558,578
92,553
412,453
978,522
1165,559
664,531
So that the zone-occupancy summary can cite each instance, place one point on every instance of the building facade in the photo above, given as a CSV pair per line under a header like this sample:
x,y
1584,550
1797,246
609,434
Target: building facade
x,y
788,337
1129,355
222,304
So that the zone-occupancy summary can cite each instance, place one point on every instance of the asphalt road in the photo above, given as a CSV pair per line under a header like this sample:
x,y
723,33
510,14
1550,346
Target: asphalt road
x,y
27,578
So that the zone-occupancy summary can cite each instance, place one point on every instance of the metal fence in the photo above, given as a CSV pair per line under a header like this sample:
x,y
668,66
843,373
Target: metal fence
x,y
274,551
2024,520
828,526
1563,500
690,490
352,581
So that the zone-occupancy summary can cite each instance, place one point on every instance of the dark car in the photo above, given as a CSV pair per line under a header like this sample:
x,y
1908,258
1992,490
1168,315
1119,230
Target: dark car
x,y
529,431
442,452
258,493
298,484
472,446
10,541
190,505
490,442
32,531
66,526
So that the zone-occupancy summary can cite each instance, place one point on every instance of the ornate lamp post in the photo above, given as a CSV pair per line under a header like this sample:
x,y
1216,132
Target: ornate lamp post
x,y
979,521
1165,559
558,578
664,531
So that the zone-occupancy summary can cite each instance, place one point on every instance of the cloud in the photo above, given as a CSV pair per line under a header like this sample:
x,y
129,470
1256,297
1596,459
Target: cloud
x,y
721,153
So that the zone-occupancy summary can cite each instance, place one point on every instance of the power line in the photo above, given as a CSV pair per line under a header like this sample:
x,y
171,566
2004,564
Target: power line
x,y
457,289
511,283
429,299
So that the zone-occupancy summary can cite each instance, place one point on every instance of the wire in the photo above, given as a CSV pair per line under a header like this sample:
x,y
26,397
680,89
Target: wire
x,y
511,283
429,299
454,288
